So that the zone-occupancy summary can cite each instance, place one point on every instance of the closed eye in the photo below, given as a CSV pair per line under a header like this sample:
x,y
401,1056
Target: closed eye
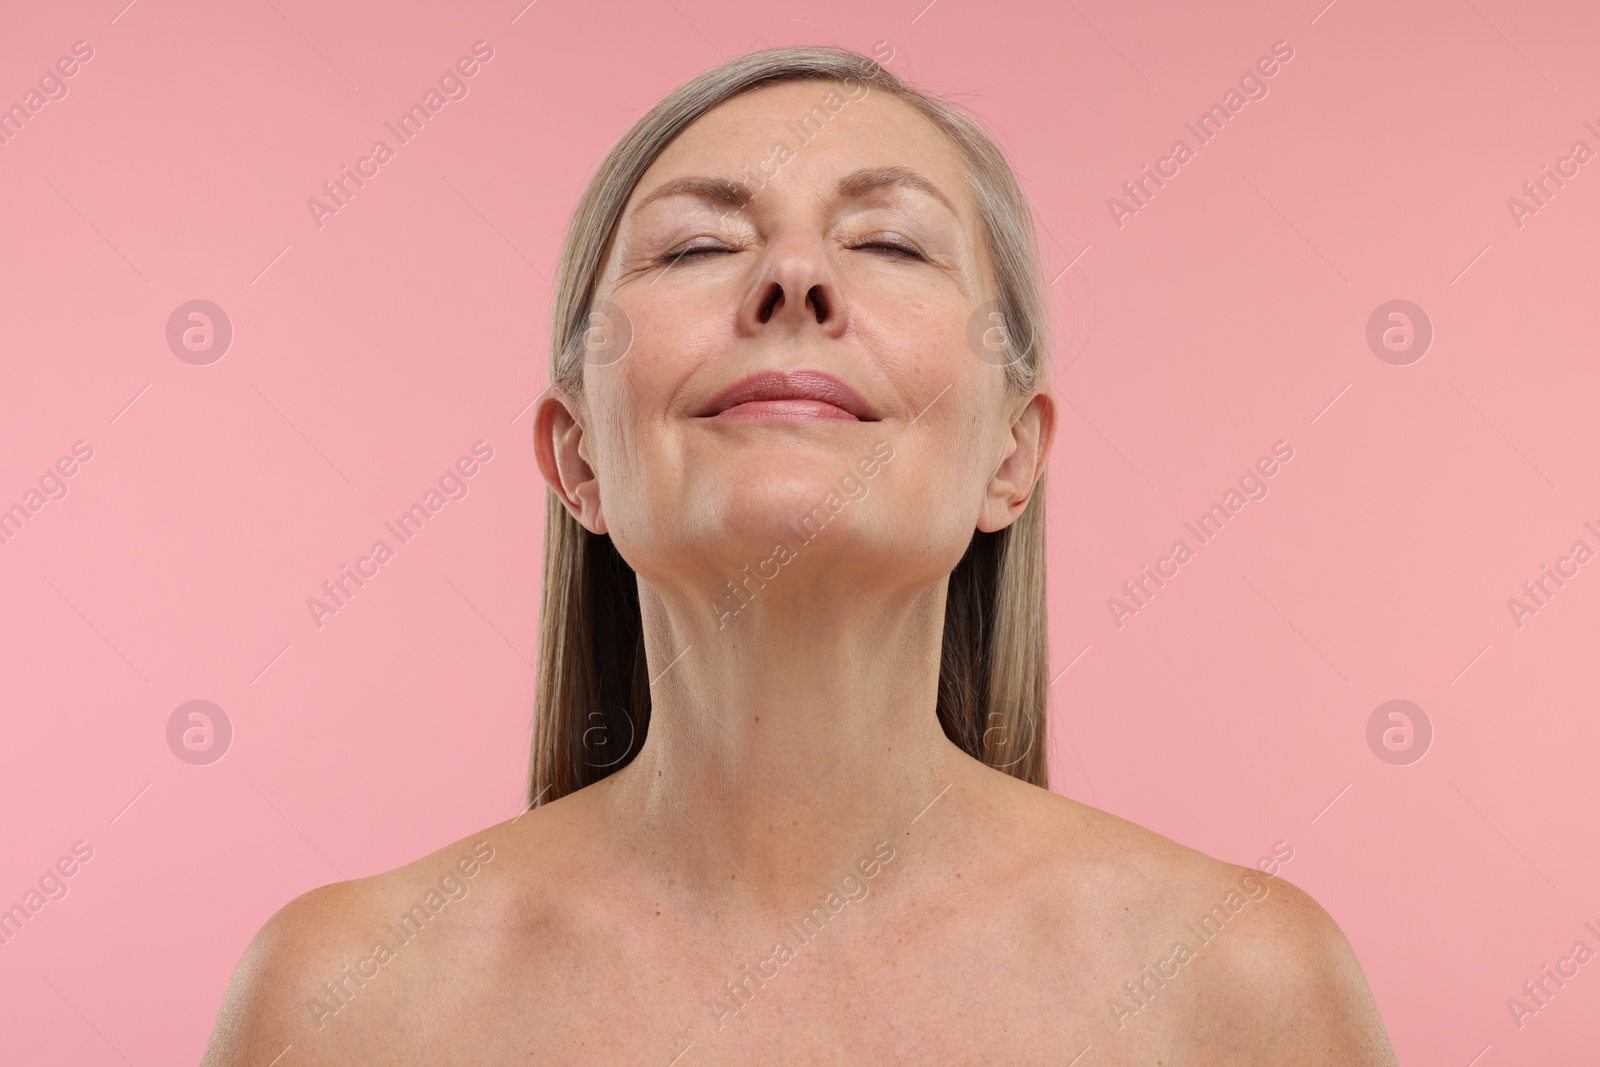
x,y
691,252
893,248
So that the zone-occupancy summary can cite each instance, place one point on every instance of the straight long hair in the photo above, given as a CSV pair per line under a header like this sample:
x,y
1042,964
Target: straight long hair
x,y
592,696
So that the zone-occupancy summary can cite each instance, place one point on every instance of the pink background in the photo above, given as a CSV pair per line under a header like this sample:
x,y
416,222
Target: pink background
x,y
1228,313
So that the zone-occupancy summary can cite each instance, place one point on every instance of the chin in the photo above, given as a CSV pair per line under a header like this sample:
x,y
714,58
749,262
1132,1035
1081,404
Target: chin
x,y
795,507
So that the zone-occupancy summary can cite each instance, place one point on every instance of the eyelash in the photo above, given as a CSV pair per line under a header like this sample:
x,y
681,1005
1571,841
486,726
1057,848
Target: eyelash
x,y
901,250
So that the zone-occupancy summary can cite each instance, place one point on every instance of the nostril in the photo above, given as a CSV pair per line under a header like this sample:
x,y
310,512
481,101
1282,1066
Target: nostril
x,y
770,305
817,300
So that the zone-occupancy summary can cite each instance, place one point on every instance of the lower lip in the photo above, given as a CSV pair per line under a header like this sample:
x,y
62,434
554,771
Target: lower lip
x,y
787,411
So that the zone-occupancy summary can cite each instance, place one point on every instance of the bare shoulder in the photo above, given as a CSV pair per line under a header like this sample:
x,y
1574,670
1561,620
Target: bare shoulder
x,y
261,1014
1289,989
348,960
1245,964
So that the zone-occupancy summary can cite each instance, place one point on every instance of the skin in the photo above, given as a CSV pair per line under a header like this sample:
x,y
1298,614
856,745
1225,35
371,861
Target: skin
x,y
795,746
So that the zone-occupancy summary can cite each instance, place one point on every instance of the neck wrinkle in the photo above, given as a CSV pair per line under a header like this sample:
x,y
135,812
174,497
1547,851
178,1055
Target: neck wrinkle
x,y
783,747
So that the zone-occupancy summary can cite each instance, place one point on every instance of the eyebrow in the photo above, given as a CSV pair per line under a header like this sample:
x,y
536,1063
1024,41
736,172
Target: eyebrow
x,y
853,186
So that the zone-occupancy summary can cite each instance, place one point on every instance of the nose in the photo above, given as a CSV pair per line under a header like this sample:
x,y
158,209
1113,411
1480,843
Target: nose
x,y
796,288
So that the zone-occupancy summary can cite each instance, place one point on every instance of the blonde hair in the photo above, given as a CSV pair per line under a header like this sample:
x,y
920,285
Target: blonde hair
x,y
592,699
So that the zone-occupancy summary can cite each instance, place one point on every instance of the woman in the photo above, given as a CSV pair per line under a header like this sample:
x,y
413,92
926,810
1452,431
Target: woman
x,y
786,796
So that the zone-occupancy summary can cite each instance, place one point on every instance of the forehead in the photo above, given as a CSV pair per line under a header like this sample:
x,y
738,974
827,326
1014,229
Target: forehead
x,y
818,129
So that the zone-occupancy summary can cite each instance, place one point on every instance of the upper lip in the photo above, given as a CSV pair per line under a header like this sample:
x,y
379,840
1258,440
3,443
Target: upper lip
x,y
792,385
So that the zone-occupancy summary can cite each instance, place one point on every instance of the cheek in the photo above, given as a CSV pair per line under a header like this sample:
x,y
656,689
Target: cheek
x,y
634,455
925,335
624,431
970,436
945,459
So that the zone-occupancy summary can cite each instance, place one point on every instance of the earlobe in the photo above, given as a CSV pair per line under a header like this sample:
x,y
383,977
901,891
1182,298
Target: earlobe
x,y
559,445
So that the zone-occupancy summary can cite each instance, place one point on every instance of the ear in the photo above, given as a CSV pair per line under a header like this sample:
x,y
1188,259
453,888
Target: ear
x,y
1022,462
559,444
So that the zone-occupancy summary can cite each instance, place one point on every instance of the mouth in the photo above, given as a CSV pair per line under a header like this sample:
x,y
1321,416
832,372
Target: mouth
x,y
790,396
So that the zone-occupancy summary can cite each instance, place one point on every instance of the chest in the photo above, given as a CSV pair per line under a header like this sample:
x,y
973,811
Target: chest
x,y
794,993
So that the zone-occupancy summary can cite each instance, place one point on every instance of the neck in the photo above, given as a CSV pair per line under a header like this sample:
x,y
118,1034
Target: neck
x,y
785,744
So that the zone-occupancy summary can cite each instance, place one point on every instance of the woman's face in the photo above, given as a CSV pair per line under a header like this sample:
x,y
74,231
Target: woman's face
x,y
801,227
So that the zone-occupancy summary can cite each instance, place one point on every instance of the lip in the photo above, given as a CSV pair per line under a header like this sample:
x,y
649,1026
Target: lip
x,y
790,395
